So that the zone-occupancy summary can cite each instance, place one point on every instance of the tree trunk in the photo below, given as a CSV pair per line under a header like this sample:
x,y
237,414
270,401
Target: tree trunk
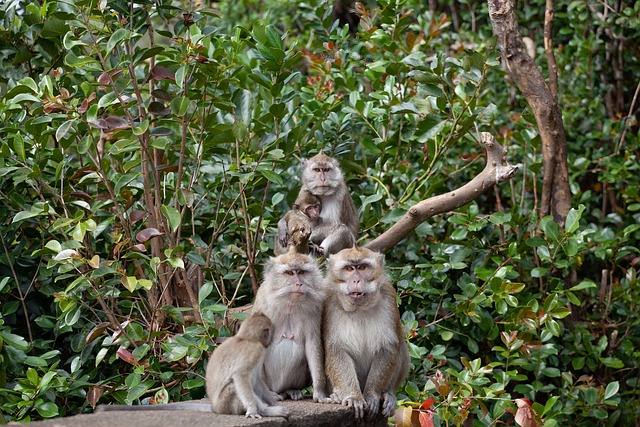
x,y
556,194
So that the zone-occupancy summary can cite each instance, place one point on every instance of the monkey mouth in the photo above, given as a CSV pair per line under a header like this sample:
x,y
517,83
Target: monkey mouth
x,y
357,298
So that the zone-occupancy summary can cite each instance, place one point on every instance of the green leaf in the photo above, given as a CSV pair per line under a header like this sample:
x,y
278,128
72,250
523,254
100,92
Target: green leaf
x,y
204,291
137,391
550,228
272,176
560,312
180,106
585,284
64,128
116,38
405,107
612,362
172,215
130,283
18,147
612,389
573,219
47,410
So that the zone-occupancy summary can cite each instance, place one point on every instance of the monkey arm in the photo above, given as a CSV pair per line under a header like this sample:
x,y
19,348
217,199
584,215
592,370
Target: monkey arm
x,y
380,378
341,371
315,358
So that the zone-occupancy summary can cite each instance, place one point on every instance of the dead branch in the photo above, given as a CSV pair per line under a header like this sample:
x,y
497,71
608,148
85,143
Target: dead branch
x,y
496,171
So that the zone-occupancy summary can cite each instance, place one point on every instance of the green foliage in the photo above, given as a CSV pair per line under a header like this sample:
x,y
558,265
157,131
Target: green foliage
x,y
140,143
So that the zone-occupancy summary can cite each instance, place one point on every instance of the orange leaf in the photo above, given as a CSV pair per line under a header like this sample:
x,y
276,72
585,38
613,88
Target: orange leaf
x,y
403,417
426,419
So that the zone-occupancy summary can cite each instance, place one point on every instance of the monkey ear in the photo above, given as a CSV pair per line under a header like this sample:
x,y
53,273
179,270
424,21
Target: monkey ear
x,y
268,265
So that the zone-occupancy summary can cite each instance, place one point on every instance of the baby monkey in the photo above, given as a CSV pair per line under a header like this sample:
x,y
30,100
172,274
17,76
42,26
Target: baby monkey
x,y
295,228
234,378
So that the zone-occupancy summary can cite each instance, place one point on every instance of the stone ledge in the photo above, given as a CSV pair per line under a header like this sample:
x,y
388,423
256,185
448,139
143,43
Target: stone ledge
x,y
304,413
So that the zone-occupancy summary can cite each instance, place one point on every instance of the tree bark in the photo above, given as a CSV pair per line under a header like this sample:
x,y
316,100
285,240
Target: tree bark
x,y
494,173
556,194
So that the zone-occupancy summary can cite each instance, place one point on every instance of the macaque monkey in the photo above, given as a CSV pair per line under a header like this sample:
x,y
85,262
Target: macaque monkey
x,y
294,229
338,228
234,380
292,295
366,356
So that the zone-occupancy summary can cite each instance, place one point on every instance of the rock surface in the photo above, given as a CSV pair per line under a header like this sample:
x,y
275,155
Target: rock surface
x,y
304,413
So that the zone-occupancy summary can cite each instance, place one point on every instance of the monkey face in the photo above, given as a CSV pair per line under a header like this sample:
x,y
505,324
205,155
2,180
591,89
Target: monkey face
x,y
322,176
292,275
313,212
355,271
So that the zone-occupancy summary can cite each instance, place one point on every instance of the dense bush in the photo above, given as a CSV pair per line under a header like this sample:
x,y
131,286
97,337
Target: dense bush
x,y
140,138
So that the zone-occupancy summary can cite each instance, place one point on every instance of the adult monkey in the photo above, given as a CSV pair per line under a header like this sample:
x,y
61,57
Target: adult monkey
x,y
292,295
366,356
234,378
323,178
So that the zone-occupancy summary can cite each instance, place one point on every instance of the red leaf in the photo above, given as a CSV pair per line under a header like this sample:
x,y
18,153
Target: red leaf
x,y
84,106
136,215
525,416
147,234
126,355
160,73
93,395
427,403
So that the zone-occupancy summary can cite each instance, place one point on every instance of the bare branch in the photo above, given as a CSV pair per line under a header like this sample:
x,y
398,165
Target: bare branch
x,y
495,172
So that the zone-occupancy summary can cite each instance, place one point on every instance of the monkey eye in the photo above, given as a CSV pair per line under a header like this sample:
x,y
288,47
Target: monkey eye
x,y
349,267
290,272
361,267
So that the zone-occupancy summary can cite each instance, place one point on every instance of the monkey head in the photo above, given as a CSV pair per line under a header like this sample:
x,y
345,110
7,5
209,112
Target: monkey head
x,y
258,327
321,175
356,274
309,205
292,275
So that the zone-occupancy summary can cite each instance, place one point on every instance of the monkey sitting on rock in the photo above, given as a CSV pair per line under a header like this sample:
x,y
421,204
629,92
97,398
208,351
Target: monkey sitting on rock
x,y
366,356
234,378
292,294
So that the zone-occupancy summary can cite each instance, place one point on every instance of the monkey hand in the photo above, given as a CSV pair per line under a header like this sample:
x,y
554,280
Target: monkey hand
x,y
316,250
356,403
388,404
294,394
252,414
372,404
